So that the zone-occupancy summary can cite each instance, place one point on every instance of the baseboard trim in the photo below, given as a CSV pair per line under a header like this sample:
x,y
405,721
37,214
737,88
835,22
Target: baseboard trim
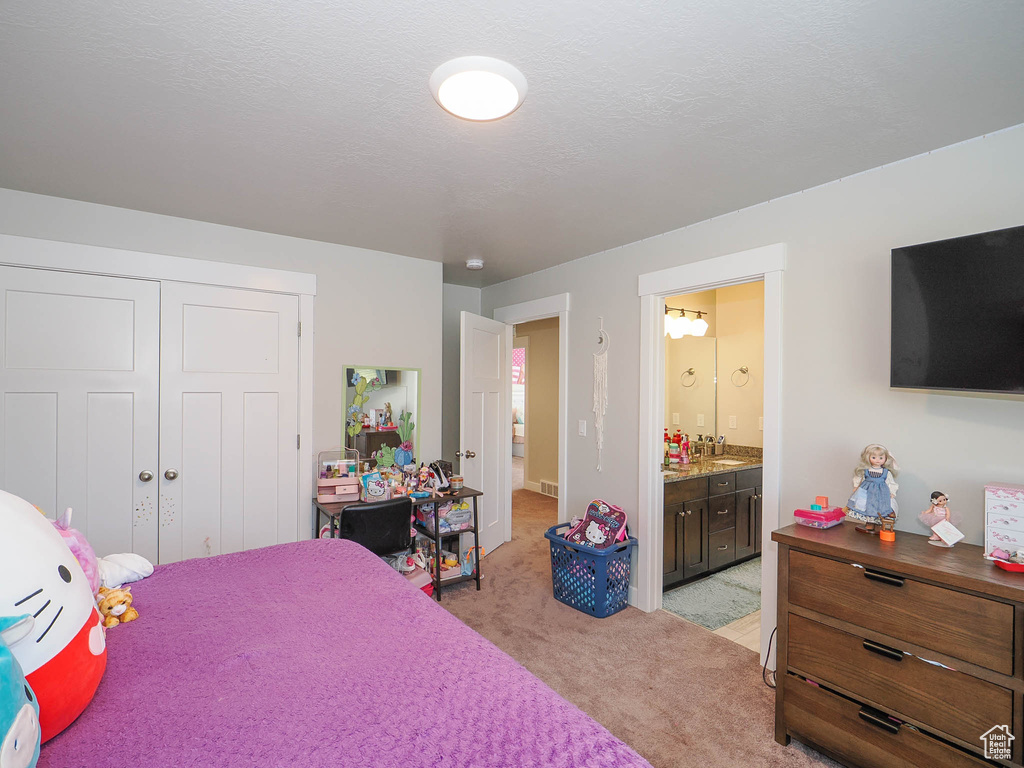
x,y
535,487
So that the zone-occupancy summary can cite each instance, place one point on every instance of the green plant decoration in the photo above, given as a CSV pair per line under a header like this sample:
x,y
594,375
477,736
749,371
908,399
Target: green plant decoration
x,y
385,456
356,409
405,426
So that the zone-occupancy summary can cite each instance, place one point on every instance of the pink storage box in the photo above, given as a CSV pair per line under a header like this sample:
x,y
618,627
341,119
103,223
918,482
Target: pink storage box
x,y
825,518
330,498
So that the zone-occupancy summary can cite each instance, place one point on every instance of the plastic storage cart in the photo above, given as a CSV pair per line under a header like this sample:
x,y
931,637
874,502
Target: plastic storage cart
x,y
595,581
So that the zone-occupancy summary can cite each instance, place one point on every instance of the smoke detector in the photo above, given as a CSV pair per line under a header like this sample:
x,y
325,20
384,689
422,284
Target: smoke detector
x,y
474,263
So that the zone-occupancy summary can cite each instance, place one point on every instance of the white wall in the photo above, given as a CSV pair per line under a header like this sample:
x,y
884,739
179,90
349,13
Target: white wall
x,y
372,308
457,298
835,392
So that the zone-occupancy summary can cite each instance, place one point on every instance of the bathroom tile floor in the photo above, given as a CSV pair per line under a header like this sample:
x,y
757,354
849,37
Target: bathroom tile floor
x,y
746,631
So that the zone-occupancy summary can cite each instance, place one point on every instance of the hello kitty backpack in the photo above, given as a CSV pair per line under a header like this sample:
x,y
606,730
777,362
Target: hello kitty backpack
x,y
602,526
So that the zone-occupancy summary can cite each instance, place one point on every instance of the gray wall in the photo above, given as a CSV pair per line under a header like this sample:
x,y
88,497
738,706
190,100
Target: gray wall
x,y
835,392
457,298
371,308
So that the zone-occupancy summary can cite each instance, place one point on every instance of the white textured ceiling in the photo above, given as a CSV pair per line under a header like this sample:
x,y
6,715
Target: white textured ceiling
x,y
313,118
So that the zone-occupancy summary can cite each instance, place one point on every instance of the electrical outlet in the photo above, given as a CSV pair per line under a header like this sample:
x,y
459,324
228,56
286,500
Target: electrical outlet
x,y
732,422
583,427
700,419
760,423
675,419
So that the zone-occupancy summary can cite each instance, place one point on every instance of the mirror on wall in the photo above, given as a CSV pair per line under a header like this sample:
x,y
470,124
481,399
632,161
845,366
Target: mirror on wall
x,y
690,385
382,407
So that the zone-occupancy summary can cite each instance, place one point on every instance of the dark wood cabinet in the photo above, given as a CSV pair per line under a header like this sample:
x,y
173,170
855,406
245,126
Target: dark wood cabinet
x,y
896,654
707,521
369,441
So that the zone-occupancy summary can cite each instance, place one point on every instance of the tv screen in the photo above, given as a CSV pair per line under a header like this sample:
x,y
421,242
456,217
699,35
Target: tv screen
x,y
958,314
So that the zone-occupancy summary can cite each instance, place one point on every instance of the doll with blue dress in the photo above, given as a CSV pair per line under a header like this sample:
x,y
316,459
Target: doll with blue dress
x,y
874,489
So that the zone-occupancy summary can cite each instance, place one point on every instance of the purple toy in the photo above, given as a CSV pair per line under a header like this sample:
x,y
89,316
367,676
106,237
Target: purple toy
x,y
80,548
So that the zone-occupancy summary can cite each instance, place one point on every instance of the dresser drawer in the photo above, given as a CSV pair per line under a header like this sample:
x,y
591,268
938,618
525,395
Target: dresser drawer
x,y
1008,520
721,548
949,701
853,734
721,512
967,627
686,490
1005,538
748,478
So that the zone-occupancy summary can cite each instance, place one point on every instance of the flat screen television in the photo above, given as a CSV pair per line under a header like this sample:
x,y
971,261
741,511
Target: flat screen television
x,y
958,314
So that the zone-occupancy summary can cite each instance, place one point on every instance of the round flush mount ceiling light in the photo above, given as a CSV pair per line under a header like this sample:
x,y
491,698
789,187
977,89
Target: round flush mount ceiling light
x,y
474,263
478,88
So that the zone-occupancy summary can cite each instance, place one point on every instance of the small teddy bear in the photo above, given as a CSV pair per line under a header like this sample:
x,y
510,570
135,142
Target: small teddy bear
x,y
116,606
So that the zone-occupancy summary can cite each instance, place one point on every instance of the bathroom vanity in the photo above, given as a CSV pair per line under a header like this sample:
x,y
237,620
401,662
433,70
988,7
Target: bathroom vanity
x,y
712,516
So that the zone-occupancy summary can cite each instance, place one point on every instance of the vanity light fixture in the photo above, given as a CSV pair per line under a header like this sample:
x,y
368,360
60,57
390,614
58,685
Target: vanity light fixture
x,y
478,88
677,327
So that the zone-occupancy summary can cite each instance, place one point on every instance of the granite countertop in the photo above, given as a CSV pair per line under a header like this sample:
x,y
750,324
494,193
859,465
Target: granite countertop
x,y
706,467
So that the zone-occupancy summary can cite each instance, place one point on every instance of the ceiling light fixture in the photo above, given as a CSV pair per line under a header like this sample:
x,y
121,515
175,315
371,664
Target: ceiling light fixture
x,y
677,327
478,88
474,263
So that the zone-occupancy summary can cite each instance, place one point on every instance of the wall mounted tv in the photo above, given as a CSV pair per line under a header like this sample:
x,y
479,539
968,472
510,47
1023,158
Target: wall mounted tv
x,y
958,314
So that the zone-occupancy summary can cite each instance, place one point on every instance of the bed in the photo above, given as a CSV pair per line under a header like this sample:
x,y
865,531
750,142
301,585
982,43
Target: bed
x,y
315,654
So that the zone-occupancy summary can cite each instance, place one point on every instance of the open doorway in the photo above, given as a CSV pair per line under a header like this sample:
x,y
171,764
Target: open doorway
x,y
713,453
535,421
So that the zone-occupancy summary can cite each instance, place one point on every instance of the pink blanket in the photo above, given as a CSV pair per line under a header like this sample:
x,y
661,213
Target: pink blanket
x,y
318,655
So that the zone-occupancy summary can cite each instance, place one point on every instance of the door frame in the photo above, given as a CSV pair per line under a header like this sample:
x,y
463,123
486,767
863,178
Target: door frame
x,y
540,309
766,263
18,251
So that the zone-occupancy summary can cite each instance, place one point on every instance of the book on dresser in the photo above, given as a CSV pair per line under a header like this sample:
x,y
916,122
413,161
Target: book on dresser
x,y
898,653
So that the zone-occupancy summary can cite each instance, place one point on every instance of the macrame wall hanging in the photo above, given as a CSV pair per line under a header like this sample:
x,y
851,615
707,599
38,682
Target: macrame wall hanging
x,y
600,388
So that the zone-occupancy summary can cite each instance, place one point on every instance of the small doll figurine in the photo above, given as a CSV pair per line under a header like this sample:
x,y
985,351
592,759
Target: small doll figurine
x,y
874,489
387,415
936,513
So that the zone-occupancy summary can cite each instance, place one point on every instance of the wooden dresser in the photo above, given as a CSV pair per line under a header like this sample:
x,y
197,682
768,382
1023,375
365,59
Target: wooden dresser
x,y
913,651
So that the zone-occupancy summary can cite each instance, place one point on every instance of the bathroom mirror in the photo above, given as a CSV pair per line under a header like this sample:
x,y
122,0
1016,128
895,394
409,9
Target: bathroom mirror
x,y
690,385
382,407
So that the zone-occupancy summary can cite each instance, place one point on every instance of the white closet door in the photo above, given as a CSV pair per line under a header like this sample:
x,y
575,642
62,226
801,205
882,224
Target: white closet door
x,y
79,382
228,420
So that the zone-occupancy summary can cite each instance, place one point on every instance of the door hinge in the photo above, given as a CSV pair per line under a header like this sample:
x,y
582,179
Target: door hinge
x,y
300,328
298,441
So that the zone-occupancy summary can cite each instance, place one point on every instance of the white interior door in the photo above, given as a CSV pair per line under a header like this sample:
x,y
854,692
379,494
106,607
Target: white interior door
x,y
80,389
485,425
228,420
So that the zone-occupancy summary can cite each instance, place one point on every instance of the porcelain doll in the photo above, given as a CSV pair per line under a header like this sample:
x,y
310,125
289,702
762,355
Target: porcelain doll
x,y
936,513
874,488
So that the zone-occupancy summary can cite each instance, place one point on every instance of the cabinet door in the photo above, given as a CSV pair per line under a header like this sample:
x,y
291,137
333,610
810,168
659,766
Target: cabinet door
x,y
745,523
695,537
757,518
673,554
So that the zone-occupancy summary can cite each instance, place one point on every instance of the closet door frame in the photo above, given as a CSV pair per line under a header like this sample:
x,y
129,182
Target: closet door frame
x,y
17,251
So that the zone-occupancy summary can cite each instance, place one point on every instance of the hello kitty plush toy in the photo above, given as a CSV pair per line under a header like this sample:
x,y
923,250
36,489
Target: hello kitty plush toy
x,y
80,548
64,654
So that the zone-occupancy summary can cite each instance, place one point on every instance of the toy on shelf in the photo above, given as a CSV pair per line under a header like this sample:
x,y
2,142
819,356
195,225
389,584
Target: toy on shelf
x,y
820,515
375,487
874,489
939,518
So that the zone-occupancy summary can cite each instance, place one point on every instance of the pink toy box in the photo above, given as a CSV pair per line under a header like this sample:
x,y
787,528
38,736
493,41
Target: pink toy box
x,y
820,518
337,489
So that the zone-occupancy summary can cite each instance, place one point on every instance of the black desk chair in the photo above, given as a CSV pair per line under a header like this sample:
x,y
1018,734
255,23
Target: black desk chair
x,y
383,527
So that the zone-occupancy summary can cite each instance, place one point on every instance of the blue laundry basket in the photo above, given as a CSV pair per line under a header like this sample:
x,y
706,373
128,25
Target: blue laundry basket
x,y
595,581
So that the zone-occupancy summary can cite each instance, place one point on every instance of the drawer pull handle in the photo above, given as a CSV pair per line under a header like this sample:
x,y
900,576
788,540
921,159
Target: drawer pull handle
x,y
875,717
723,485
885,578
883,650
722,512
723,547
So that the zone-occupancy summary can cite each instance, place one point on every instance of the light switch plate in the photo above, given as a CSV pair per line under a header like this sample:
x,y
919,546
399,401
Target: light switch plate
x,y
732,422
675,419
583,427
760,423
700,419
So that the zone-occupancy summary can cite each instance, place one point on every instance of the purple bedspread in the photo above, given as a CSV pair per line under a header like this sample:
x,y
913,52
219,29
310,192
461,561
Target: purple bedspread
x,y
311,655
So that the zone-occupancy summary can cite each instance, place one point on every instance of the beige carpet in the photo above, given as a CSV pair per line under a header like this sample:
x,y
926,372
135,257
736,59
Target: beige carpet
x,y
681,696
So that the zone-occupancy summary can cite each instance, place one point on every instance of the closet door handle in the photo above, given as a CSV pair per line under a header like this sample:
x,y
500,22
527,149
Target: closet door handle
x,y
171,474
875,717
883,650
145,475
894,581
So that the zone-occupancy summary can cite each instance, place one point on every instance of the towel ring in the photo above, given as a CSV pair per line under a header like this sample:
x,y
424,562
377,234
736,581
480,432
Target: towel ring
x,y
742,370
688,372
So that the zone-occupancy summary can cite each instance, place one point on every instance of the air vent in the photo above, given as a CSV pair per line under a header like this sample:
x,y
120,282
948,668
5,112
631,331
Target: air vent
x,y
548,488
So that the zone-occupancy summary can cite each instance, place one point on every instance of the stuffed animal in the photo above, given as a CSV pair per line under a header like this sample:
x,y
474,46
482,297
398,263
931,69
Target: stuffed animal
x,y
19,710
116,606
64,654
79,546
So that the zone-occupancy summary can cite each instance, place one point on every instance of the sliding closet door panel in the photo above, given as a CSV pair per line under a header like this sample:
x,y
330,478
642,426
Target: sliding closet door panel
x,y
80,387
229,420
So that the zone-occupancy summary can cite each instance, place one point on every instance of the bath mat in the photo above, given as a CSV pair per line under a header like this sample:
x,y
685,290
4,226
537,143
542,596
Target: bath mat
x,y
721,598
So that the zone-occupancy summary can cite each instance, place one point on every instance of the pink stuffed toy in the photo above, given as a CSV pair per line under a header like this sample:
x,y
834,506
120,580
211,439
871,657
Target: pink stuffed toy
x,y
80,549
